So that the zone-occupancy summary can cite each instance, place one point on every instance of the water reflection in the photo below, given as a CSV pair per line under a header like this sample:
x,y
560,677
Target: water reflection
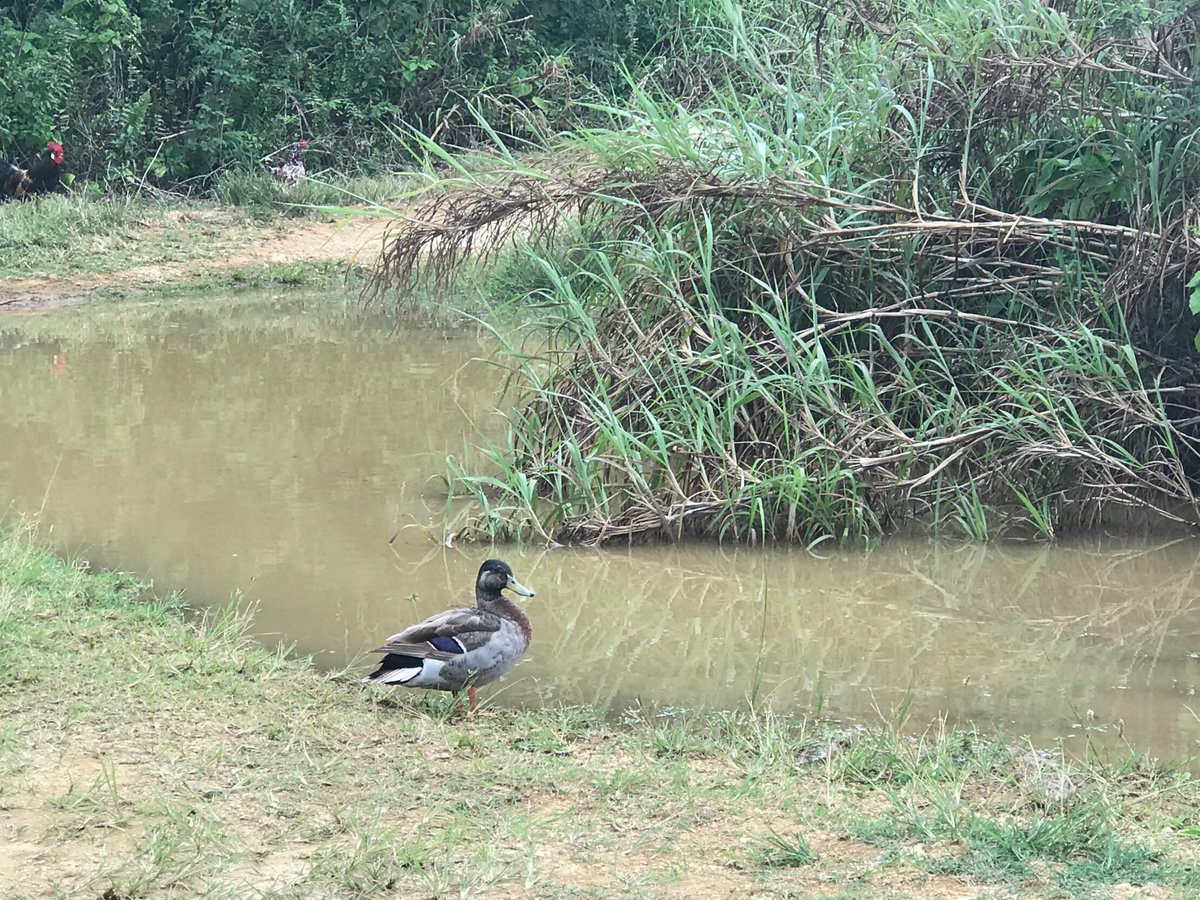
x,y
277,456
1026,638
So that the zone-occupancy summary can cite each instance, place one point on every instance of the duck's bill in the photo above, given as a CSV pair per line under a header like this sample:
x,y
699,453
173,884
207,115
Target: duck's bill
x,y
517,588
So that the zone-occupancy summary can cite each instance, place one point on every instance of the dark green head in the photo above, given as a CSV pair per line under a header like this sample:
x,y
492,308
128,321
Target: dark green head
x,y
495,575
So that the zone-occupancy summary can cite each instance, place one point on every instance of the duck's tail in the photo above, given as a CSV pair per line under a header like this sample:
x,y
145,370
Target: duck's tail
x,y
396,668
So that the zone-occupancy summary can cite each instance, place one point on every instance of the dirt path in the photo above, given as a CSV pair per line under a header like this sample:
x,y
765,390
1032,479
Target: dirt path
x,y
223,243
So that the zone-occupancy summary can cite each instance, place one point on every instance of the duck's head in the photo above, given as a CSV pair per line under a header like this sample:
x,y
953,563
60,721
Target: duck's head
x,y
494,576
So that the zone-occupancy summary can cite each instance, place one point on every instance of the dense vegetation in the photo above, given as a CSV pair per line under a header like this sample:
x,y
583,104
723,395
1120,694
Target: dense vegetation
x,y
167,90
854,269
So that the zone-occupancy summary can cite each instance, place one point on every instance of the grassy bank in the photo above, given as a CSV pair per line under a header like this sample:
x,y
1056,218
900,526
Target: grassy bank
x,y
73,235
144,753
77,234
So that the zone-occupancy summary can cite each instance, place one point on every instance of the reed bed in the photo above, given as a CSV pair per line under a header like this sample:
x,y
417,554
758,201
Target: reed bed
x,y
905,265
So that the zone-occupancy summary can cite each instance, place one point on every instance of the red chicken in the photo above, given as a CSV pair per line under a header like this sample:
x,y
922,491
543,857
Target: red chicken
x,y
45,173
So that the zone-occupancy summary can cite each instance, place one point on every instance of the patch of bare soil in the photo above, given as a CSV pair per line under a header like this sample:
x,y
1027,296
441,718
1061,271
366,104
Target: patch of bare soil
x,y
72,821
230,247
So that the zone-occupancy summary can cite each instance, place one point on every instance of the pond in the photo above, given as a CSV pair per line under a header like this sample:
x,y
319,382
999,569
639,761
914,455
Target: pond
x,y
294,459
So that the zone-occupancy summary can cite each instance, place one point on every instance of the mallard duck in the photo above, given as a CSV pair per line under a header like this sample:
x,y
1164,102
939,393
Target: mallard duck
x,y
461,647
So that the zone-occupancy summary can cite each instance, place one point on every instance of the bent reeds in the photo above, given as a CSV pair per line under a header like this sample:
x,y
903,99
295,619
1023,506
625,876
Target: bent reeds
x,y
926,268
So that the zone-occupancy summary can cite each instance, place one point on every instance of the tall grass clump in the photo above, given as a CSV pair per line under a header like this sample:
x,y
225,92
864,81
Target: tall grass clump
x,y
846,270
256,189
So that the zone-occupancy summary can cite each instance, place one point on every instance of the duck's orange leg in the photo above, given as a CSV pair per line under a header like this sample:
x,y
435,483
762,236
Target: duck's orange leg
x,y
473,698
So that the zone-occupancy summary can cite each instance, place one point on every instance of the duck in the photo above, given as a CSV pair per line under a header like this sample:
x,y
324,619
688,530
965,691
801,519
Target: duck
x,y
463,647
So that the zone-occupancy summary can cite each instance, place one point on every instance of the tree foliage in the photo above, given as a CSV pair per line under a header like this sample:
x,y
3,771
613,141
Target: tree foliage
x,y
170,90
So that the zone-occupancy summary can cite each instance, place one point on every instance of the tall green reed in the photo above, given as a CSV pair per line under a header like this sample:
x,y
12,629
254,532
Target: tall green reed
x,y
847,276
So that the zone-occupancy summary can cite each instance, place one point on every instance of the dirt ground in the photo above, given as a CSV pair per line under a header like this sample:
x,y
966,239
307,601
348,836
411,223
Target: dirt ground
x,y
223,242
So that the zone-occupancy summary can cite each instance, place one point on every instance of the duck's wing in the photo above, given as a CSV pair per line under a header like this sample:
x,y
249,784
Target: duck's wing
x,y
444,635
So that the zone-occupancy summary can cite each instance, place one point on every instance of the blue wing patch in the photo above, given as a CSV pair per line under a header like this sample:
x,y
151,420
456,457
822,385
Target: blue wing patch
x,y
447,645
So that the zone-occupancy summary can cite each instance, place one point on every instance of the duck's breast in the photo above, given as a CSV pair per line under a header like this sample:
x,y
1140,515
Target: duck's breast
x,y
498,655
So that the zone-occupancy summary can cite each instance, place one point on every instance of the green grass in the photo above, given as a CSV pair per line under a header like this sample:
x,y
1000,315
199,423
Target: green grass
x,y
787,852
66,234
340,278
147,752
261,193
71,235
81,233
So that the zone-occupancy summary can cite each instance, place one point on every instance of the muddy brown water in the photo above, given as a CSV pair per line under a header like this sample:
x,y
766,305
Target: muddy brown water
x,y
259,453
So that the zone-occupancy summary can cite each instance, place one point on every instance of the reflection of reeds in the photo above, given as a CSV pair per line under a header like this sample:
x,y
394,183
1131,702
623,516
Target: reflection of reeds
x,y
1004,633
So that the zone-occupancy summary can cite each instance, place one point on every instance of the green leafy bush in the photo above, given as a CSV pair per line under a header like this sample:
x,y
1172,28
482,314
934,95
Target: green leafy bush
x,y
171,90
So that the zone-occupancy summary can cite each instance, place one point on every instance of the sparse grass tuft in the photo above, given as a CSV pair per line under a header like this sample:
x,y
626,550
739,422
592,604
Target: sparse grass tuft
x,y
1081,836
784,852
371,859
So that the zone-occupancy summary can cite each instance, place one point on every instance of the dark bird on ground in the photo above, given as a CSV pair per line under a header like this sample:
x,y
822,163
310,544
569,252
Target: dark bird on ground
x,y
45,172
461,648
14,181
